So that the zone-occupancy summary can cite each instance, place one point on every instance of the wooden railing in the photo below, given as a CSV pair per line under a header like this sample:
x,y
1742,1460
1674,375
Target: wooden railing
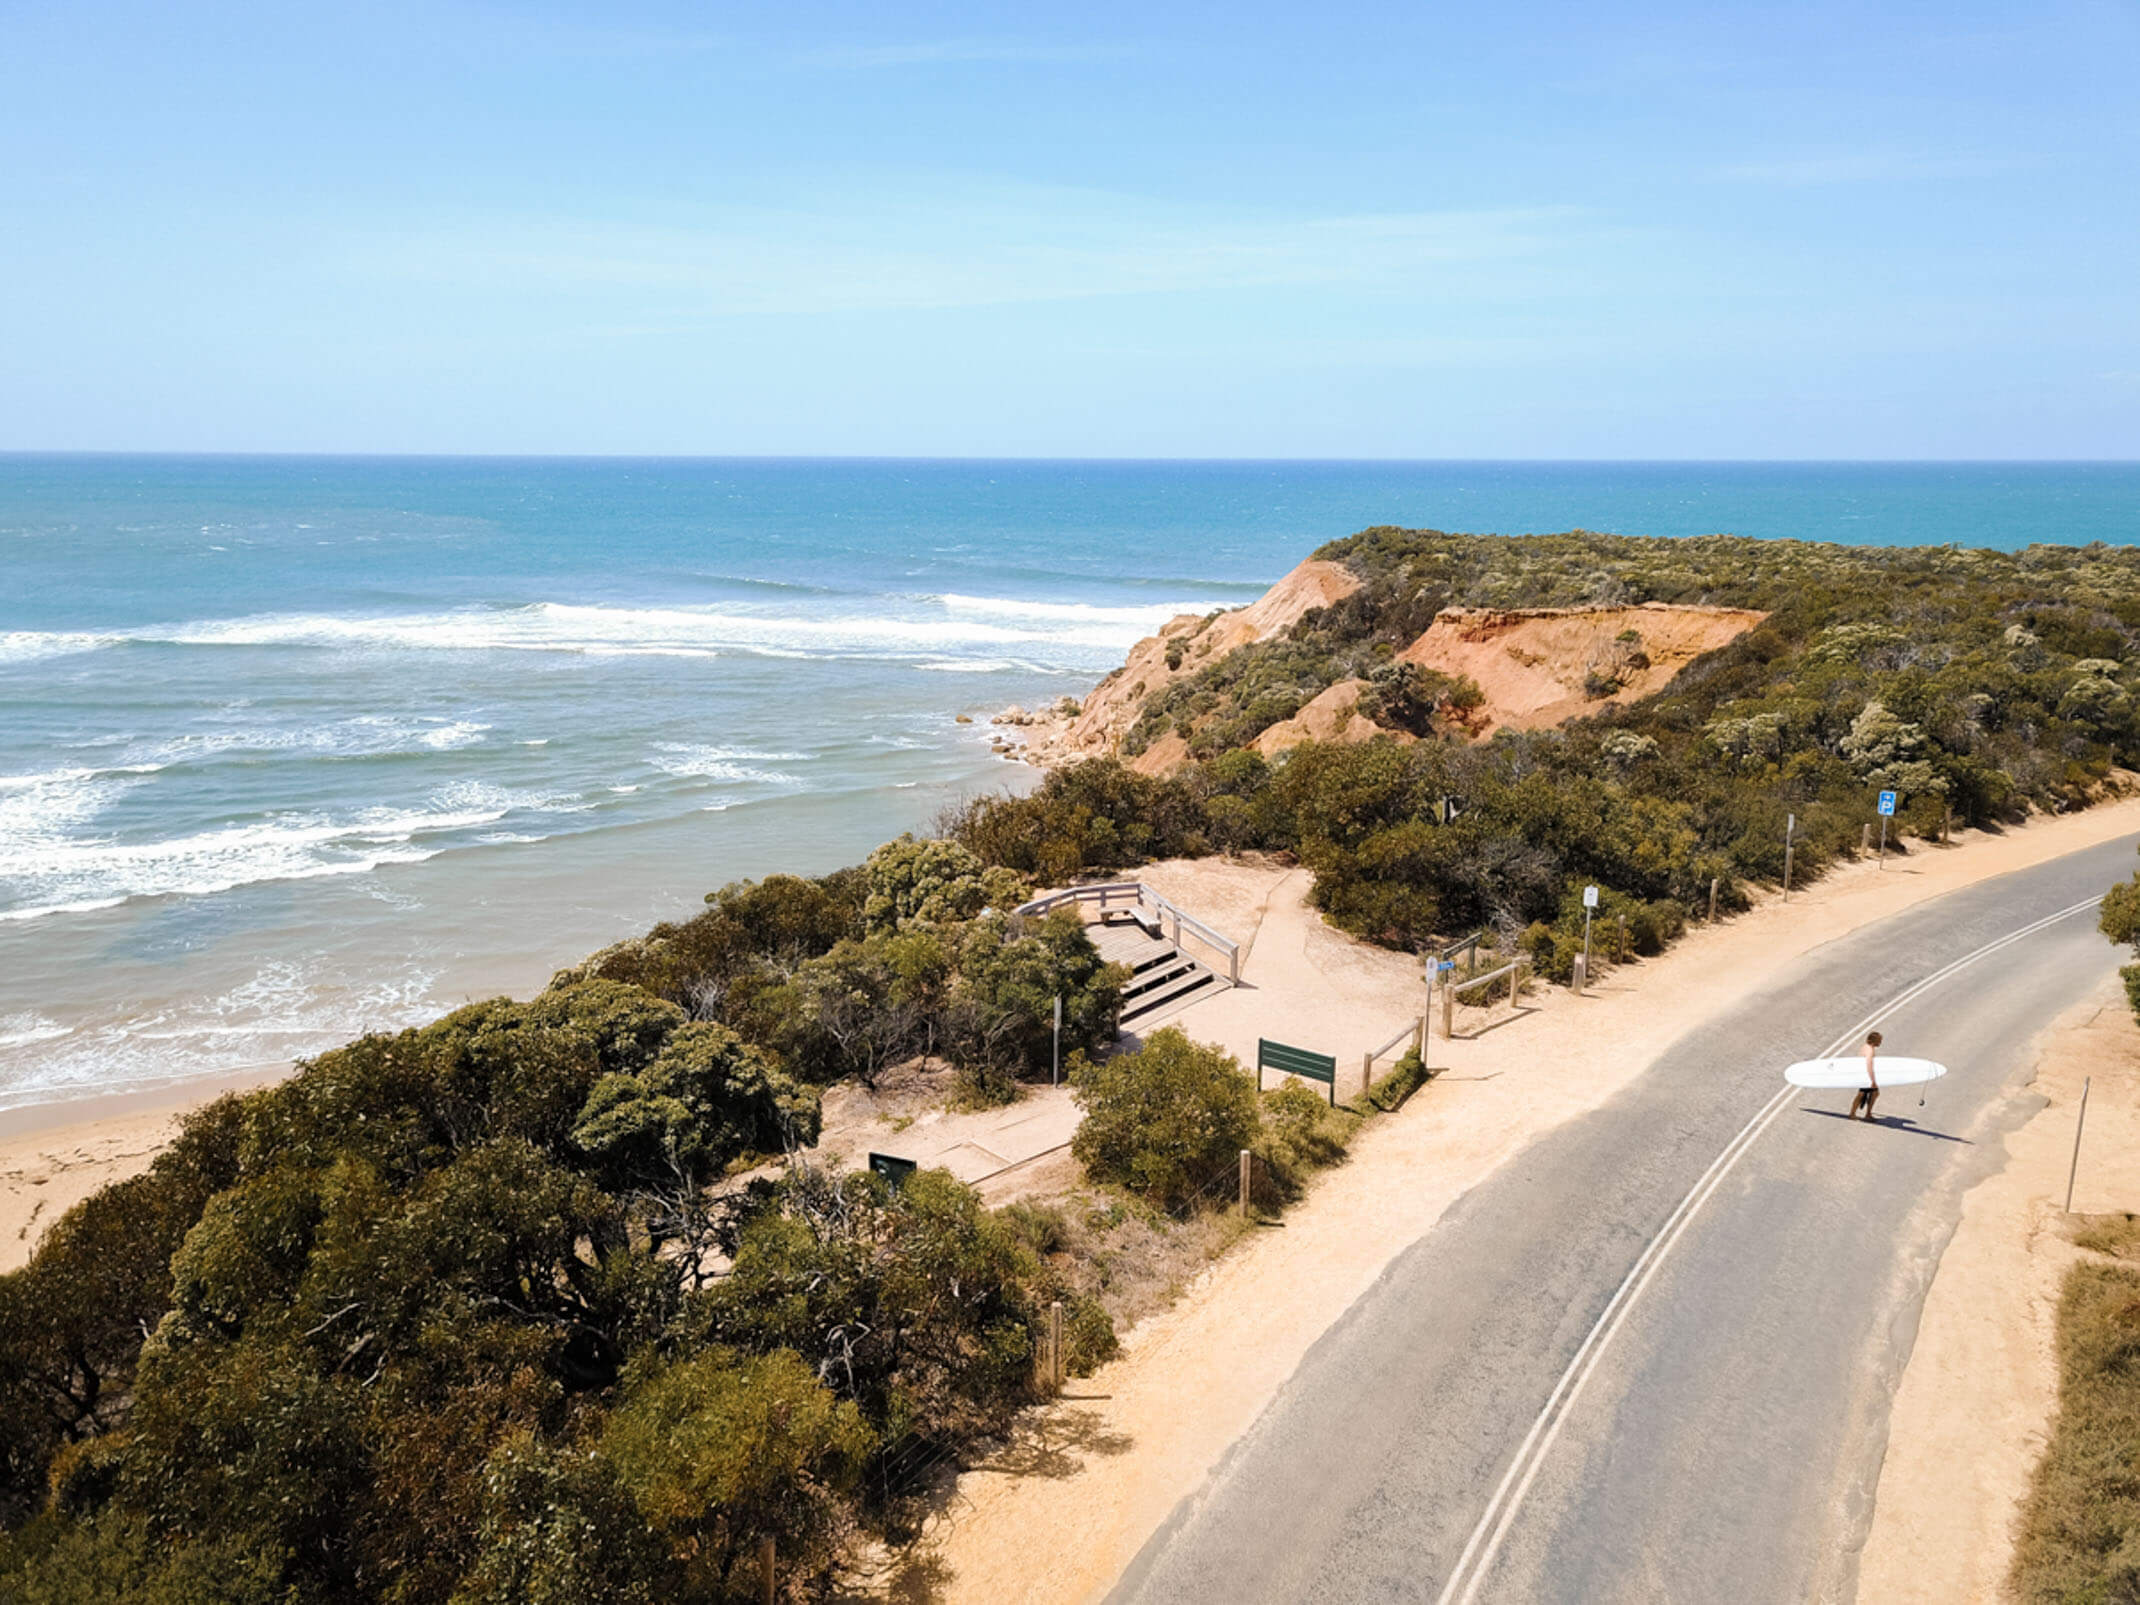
x,y
1135,894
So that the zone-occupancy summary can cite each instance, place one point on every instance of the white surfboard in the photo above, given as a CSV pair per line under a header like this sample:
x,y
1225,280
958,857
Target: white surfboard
x,y
1849,1072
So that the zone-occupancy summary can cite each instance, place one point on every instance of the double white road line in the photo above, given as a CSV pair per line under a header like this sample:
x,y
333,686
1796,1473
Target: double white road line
x,y
1486,1539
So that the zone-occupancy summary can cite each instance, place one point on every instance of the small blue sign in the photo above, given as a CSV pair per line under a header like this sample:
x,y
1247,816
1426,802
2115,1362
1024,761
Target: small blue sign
x,y
1887,802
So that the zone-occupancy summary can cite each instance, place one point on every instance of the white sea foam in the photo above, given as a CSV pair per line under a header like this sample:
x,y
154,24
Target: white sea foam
x,y
936,627
367,735
25,1030
39,809
30,646
734,765
285,1010
47,875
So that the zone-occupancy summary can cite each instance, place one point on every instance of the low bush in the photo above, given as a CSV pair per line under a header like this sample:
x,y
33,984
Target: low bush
x,y
1166,1120
1405,1077
2078,1537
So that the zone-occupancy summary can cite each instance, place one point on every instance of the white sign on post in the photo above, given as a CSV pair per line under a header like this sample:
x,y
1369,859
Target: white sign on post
x,y
1887,804
1590,897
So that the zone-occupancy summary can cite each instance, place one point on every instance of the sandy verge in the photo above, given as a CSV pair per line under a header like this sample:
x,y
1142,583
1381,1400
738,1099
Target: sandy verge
x,y
1973,1412
52,1156
1064,1509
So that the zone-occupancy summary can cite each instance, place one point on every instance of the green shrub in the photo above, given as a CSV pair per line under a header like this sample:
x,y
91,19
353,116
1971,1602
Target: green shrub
x,y
1405,1077
1166,1119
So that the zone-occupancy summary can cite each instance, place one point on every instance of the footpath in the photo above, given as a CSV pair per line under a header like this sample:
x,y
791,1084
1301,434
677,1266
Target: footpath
x,y
1059,1513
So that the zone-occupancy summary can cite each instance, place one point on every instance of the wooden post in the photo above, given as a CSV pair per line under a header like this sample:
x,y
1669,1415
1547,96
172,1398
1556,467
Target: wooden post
x,y
1620,954
1865,840
768,1576
1714,882
1056,1369
1248,1161
1448,1008
1946,825
1367,1073
1582,974
2075,1168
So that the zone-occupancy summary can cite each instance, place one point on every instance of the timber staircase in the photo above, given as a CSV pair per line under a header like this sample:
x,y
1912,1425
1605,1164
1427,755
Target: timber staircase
x,y
1143,932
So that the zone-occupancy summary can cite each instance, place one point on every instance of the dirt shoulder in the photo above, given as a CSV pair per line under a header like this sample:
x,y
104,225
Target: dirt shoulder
x,y
1971,1416
1064,1509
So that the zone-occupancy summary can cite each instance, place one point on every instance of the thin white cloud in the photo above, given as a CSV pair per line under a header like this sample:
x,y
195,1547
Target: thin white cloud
x,y
952,52
1866,167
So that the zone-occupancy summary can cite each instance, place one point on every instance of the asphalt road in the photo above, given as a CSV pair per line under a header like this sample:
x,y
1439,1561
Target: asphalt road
x,y
1575,1389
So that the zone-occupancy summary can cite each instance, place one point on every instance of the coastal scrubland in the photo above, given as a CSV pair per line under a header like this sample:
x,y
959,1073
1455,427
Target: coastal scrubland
x,y
517,1305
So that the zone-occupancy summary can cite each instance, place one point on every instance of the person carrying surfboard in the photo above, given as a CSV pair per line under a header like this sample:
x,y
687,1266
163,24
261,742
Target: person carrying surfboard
x,y
1869,1094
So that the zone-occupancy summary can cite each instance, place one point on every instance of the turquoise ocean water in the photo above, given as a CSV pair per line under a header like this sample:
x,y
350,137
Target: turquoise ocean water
x,y
292,748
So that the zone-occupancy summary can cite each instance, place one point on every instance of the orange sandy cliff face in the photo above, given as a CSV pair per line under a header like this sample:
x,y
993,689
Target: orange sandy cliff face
x,y
1537,666
1543,666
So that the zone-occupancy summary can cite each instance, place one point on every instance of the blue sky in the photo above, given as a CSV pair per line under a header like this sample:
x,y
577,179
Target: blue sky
x,y
1105,230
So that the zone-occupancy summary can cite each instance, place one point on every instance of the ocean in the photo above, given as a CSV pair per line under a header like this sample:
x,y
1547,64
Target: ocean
x,y
292,749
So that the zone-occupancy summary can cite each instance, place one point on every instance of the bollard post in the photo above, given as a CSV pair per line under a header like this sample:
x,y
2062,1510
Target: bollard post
x,y
1367,1073
1946,825
768,1576
1715,881
1248,1161
1056,1368
1620,954
1448,1010
1865,839
1582,974
2075,1168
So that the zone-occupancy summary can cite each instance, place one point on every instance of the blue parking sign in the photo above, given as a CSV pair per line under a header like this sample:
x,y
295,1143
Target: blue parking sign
x,y
1887,802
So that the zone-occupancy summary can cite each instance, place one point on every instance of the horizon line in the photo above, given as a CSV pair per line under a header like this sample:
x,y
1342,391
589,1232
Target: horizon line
x,y
79,452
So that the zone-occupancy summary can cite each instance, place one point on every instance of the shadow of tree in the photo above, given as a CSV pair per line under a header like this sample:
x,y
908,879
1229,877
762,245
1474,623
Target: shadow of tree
x,y
1051,1443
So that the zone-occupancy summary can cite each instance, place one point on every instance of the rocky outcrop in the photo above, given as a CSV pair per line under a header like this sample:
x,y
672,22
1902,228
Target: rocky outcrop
x,y
1184,645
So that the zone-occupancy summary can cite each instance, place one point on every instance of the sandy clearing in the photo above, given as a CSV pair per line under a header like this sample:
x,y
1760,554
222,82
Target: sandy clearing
x,y
1062,1512
1974,1408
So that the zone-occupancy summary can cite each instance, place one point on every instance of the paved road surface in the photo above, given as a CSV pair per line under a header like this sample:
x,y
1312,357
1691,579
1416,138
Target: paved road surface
x,y
1724,1443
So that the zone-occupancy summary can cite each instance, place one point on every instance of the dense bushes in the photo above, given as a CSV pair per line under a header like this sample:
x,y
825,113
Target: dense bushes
x,y
2075,1536
913,953
439,1318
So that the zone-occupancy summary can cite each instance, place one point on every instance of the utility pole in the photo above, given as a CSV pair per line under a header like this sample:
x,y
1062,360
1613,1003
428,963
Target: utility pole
x,y
1790,831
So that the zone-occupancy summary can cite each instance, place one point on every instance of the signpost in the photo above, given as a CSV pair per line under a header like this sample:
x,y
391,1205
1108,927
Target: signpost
x,y
1296,1062
1790,829
1887,812
1057,1079
1590,907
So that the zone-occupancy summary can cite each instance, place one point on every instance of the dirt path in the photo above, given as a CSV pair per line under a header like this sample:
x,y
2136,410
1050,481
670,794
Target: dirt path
x,y
1058,1516
1975,1404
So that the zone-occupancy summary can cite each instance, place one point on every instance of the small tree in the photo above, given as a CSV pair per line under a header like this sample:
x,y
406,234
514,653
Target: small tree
x,y
2120,921
1165,1118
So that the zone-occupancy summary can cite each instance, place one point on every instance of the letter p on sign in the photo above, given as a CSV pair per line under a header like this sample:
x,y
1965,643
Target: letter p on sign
x,y
1887,802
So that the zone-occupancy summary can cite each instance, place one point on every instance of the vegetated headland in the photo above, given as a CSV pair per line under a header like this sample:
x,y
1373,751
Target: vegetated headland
x,y
518,1306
